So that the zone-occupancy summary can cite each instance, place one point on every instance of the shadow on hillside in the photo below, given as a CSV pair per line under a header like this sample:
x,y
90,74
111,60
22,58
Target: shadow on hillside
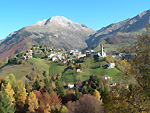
x,y
3,66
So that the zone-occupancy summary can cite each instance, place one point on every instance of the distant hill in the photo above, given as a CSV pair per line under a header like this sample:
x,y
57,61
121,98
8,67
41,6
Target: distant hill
x,y
126,31
57,31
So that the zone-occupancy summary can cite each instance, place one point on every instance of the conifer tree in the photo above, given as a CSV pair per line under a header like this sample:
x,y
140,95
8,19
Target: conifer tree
x,y
84,90
27,87
36,85
47,86
5,104
60,89
32,102
77,94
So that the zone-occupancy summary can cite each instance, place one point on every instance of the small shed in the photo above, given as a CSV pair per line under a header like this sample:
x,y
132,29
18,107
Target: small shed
x,y
111,65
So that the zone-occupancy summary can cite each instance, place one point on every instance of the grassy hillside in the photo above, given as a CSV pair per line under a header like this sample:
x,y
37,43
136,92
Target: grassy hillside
x,y
114,73
55,68
36,67
20,71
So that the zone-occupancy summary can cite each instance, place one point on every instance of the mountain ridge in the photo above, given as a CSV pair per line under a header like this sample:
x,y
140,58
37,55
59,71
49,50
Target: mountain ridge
x,y
59,32
117,33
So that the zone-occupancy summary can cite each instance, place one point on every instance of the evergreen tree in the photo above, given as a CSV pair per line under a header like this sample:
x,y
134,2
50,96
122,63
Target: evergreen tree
x,y
34,52
91,90
60,89
77,94
27,87
79,66
84,90
47,86
5,104
36,85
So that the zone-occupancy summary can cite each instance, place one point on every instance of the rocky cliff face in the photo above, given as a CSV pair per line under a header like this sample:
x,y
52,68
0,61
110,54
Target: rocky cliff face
x,y
58,31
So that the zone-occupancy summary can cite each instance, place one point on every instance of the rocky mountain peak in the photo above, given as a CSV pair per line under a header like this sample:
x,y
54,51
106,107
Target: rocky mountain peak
x,y
62,21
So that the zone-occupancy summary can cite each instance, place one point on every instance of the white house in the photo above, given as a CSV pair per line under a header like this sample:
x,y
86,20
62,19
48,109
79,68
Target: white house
x,y
111,65
70,85
95,53
23,57
107,77
79,70
81,55
113,84
29,56
74,52
50,55
54,59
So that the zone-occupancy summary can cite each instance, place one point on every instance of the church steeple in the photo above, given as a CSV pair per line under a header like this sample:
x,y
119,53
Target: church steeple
x,y
102,50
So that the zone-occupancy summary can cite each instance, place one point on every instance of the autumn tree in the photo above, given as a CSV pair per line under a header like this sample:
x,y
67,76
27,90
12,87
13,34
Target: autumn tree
x,y
32,102
10,92
133,99
11,79
64,109
1,63
5,104
68,97
47,108
97,95
46,100
6,60
20,94
86,104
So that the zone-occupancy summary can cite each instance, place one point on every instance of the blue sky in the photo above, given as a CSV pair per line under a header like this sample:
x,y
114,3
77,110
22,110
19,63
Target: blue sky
x,y
15,14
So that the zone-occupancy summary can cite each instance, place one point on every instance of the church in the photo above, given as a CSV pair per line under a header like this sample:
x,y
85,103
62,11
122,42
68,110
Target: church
x,y
100,53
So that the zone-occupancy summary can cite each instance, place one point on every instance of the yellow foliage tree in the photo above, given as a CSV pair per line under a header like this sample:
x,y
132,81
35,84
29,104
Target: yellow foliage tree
x,y
11,79
53,85
64,109
47,108
97,95
6,59
20,93
32,102
10,93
